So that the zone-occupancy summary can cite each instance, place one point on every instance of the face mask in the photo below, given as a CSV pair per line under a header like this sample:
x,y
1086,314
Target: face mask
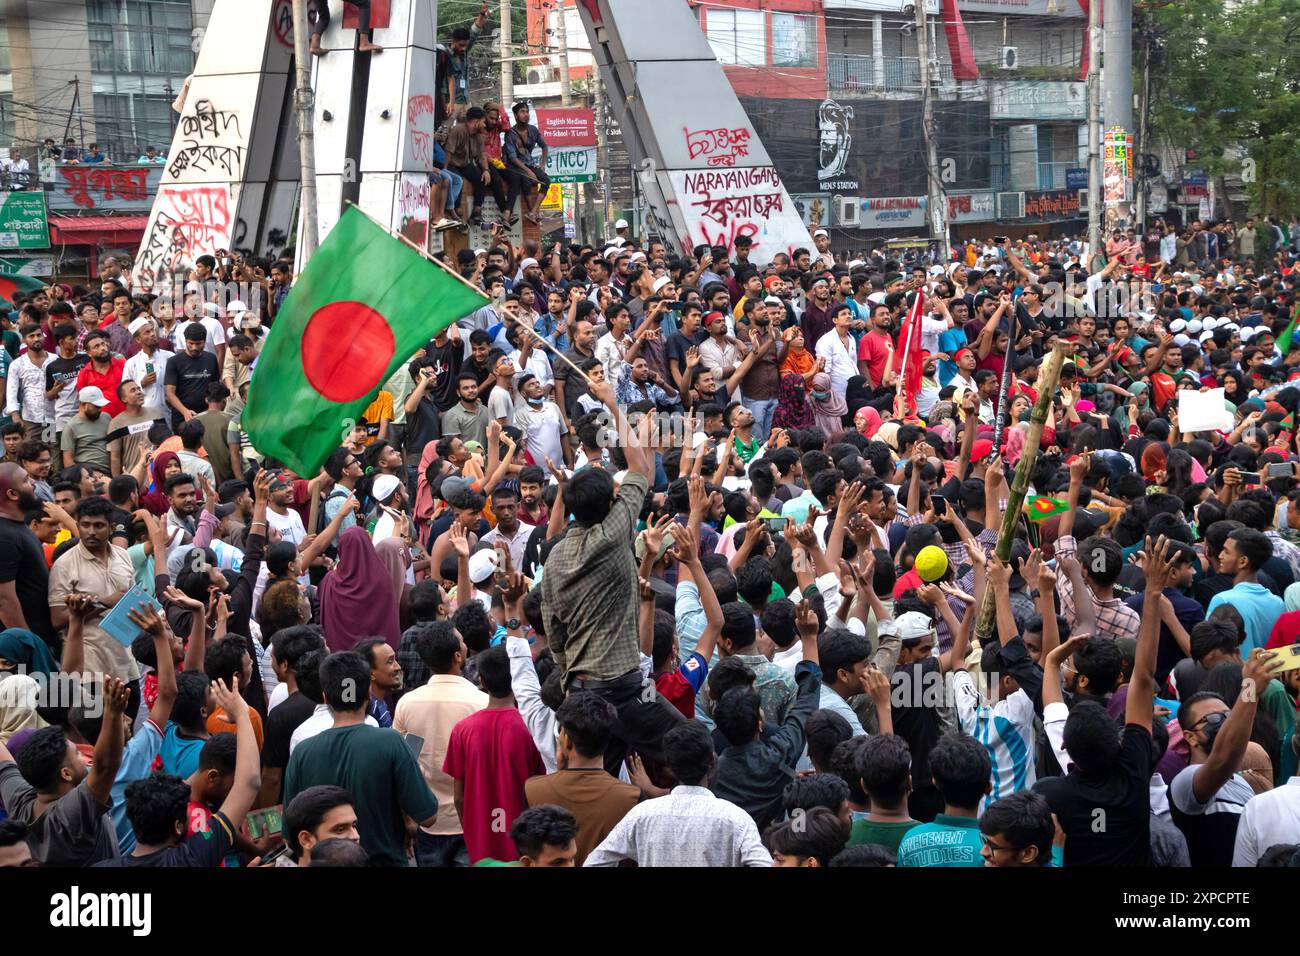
x,y
821,396
536,401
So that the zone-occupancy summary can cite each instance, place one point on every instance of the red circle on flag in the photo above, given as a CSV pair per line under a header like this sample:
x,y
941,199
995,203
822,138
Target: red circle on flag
x,y
346,349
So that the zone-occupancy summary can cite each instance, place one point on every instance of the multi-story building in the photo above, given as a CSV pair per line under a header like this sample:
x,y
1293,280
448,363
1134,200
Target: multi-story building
x,y
101,71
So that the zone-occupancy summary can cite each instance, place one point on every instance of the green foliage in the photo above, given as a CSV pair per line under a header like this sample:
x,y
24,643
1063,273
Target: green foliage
x,y
1229,87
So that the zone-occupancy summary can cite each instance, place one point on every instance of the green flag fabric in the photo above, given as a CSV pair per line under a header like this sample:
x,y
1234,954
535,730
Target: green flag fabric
x,y
1283,342
11,284
363,305
1038,507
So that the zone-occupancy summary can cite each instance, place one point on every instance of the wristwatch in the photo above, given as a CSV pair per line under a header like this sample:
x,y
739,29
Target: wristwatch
x,y
512,624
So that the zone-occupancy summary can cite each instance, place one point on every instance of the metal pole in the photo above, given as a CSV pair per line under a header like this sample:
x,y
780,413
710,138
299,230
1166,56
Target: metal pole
x,y
1047,383
1140,147
562,35
1094,133
507,67
304,105
935,202
602,147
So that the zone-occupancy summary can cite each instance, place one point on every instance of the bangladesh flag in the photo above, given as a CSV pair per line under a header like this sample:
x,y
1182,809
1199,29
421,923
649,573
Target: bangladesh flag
x,y
1039,507
1283,342
11,284
361,308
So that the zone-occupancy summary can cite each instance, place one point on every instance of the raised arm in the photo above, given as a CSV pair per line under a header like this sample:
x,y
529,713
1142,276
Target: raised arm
x,y
690,567
248,779
107,757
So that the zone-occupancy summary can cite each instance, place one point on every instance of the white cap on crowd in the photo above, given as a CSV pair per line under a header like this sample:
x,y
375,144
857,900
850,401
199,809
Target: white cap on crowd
x,y
659,284
621,224
138,324
1177,325
1206,337
821,232
1180,340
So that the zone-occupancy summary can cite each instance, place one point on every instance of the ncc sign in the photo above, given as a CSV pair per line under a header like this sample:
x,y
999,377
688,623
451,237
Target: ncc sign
x,y
571,164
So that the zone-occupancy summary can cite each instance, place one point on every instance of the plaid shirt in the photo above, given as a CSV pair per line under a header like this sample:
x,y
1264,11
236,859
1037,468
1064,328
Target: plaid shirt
x,y
1114,618
415,673
589,592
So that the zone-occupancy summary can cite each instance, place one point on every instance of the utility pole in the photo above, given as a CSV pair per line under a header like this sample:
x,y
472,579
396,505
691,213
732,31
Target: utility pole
x,y
304,103
935,202
602,147
1140,147
562,35
1118,72
1094,132
507,65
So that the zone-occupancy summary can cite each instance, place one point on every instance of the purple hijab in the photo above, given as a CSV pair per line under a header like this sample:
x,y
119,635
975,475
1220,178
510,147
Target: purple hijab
x,y
356,598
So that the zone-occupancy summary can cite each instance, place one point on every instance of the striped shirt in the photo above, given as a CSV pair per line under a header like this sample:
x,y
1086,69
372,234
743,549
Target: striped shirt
x,y
1006,729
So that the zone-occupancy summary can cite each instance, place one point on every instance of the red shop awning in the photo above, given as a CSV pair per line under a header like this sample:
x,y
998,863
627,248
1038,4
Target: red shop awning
x,y
93,230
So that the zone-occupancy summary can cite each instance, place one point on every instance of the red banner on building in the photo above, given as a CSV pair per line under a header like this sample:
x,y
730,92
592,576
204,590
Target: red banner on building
x,y
567,127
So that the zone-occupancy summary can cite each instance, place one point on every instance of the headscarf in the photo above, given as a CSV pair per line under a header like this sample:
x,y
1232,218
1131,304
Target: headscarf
x,y
1152,461
20,647
857,393
829,412
867,421
18,696
888,433
1015,444
156,499
356,598
792,410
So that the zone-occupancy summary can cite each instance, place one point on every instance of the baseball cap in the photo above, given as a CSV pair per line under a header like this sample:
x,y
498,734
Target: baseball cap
x,y
482,564
224,511
92,394
453,486
664,545
931,563
913,626
980,449
139,324
821,232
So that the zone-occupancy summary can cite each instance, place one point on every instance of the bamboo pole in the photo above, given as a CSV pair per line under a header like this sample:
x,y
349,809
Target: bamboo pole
x,y
1047,382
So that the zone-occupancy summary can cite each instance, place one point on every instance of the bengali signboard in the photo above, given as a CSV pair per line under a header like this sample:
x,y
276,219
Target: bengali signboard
x,y
1076,178
893,212
1037,100
567,127
973,207
571,164
1116,166
1058,204
86,189
24,222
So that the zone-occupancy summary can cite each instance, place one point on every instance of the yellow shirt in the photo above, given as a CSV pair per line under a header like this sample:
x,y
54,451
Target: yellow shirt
x,y
380,410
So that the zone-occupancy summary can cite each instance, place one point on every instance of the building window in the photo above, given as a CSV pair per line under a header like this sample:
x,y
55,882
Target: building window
x,y
794,40
738,37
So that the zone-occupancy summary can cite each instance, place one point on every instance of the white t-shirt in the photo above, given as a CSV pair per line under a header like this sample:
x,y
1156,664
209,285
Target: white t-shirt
x,y
155,395
216,333
320,721
542,428
290,528
501,404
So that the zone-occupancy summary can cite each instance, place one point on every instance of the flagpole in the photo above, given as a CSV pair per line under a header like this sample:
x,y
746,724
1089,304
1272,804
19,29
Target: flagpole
x,y
452,272
1047,383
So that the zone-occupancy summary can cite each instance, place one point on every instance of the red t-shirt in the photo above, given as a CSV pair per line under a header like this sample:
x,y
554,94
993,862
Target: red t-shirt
x,y
492,754
107,382
874,350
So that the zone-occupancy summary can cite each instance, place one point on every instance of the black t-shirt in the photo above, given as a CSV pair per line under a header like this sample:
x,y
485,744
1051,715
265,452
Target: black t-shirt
x,y
22,561
676,347
191,377
60,371
1107,819
446,361
195,851
915,722
280,725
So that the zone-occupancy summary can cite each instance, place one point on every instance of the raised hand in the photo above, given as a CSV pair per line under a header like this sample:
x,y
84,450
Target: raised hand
x,y
458,539
228,699
147,618
805,620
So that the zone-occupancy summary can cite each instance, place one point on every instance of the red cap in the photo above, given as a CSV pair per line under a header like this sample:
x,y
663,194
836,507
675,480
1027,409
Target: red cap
x,y
980,449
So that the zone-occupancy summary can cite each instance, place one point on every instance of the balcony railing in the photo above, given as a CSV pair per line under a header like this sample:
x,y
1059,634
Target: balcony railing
x,y
856,73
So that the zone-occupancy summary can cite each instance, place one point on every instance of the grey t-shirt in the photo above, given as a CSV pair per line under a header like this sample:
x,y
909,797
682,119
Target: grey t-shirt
x,y
468,425
501,405
75,830
87,440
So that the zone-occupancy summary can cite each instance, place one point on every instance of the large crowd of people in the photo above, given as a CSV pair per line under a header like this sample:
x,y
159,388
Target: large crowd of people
x,y
657,558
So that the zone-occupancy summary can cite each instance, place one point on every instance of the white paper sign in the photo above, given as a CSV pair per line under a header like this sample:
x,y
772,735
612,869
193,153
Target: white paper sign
x,y
1203,411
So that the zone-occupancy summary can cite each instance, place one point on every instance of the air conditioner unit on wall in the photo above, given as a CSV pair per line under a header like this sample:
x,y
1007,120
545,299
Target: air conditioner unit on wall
x,y
1011,205
1010,58
848,213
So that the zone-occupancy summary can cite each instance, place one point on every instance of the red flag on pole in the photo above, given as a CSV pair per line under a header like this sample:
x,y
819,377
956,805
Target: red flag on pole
x,y
910,342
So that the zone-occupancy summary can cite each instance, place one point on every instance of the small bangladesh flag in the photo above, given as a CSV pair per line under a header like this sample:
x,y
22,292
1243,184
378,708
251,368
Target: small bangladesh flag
x,y
363,305
1039,507
11,284
1288,423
